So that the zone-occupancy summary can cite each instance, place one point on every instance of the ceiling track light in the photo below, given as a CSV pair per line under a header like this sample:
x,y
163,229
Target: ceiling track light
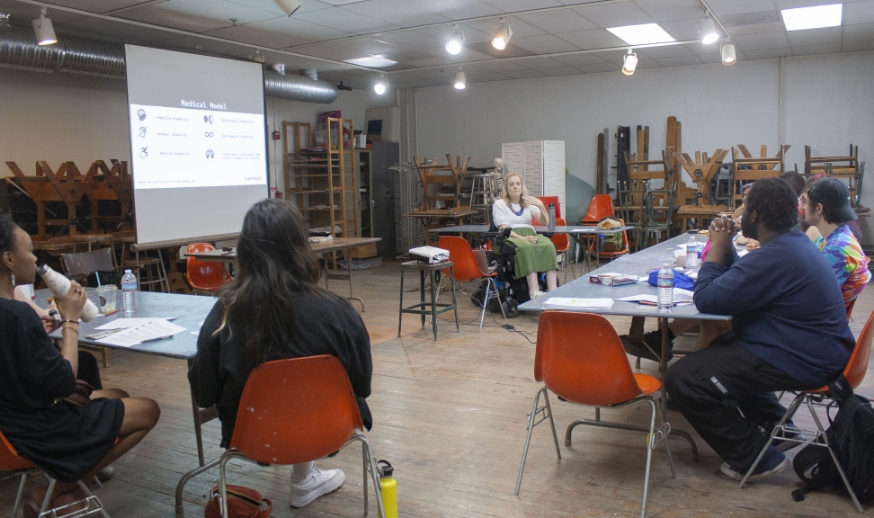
x,y
707,29
381,85
460,79
629,63
4,21
288,6
729,54
42,28
502,35
456,41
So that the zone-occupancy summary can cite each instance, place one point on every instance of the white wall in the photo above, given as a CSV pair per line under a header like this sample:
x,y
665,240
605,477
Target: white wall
x,y
60,117
826,104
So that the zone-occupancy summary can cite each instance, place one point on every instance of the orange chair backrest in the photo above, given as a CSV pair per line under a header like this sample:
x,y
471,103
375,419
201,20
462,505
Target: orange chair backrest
x,y
202,275
551,199
295,410
561,241
9,459
464,264
600,207
579,357
858,364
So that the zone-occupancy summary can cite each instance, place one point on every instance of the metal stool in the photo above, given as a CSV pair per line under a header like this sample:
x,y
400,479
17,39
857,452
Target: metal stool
x,y
152,268
427,308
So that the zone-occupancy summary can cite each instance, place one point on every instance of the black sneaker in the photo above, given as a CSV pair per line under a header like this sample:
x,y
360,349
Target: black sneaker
x,y
651,346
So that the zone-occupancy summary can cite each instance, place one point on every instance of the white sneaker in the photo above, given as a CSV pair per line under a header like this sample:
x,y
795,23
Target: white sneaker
x,y
537,294
319,482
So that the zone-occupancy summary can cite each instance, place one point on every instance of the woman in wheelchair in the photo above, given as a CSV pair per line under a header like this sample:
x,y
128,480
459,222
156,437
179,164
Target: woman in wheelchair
x,y
513,214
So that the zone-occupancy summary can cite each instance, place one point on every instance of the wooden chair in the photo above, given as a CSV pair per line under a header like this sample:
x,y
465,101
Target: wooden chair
x,y
854,373
597,374
294,411
659,205
10,461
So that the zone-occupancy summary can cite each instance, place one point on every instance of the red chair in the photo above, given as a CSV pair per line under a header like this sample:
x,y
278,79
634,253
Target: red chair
x,y
551,199
600,207
203,276
10,461
466,268
562,245
294,411
580,358
854,372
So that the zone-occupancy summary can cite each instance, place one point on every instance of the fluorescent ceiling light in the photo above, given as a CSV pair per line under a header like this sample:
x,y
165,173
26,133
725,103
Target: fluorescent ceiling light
x,y
812,17
377,61
641,34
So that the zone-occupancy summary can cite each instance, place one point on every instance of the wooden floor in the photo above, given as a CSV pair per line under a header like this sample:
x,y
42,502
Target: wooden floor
x,y
451,417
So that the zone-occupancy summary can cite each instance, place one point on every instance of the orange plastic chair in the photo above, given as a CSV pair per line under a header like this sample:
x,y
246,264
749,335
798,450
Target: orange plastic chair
x,y
10,461
551,199
201,275
600,207
295,411
466,268
854,372
613,254
562,245
580,358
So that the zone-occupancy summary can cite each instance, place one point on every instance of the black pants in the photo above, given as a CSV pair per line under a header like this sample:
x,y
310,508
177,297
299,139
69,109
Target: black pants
x,y
726,393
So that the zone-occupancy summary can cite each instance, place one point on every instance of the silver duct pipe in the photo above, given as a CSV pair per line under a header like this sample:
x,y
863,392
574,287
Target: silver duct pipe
x,y
18,49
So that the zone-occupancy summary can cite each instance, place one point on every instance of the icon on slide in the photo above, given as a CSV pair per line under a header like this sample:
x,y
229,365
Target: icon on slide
x,y
144,152
208,134
142,131
207,118
210,154
141,113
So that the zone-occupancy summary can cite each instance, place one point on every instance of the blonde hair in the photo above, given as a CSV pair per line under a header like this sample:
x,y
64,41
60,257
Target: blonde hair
x,y
506,195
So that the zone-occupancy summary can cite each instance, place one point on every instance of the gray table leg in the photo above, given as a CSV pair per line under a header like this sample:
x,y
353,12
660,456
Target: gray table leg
x,y
401,310
433,305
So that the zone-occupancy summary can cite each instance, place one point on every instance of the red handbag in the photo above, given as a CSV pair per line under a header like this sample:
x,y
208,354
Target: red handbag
x,y
243,502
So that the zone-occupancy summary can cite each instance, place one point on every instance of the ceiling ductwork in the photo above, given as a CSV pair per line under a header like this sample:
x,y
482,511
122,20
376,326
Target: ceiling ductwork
x,y
18,49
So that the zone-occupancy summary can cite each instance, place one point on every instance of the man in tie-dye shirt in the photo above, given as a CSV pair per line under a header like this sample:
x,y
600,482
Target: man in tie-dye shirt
x,y
827,207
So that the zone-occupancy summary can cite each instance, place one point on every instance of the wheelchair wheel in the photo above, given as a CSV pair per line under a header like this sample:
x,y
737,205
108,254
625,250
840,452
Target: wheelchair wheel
x,y
511,307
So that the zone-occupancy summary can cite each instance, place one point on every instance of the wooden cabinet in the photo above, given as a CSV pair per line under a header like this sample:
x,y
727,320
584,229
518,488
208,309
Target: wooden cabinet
x,y
323,182
541,164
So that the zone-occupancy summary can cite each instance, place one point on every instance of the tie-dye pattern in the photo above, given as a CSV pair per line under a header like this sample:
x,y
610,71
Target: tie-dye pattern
x,y
847,260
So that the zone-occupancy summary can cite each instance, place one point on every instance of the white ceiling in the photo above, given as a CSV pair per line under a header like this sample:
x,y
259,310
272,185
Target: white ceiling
x,y
335,34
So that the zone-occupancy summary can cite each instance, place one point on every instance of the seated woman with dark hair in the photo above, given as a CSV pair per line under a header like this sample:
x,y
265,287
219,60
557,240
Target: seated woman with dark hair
x,y
274,310
514,211
69,443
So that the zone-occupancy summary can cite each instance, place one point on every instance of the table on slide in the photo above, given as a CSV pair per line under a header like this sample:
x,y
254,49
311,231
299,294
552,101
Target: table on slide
x,y
190,312
326,245
576,232
639,264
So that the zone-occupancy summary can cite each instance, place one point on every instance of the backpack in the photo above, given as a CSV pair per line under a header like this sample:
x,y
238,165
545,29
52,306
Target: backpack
x,y
851,436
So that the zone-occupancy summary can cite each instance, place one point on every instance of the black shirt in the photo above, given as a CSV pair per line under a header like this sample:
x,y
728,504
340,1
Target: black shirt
x,y
324,323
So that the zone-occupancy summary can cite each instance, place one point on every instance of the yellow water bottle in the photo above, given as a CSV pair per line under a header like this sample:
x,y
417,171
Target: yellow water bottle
x,y
389,489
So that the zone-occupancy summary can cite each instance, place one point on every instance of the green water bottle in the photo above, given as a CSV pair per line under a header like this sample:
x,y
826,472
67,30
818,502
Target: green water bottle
x,y
389,489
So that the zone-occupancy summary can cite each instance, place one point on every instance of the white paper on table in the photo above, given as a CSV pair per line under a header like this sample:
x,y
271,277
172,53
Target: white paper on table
x,y
121,323
137,335
681,298
574,303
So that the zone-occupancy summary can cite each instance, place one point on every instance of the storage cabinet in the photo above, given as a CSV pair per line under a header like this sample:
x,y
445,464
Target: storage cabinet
x,y
377,198
541,164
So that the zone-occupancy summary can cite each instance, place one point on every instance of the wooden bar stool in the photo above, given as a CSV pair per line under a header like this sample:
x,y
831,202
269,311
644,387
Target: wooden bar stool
x,y
427,308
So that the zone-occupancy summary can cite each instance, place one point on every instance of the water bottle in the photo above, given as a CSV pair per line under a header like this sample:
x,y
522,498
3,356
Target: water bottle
x,y
60,287
666,289
389,489
692,254
550,226
129,292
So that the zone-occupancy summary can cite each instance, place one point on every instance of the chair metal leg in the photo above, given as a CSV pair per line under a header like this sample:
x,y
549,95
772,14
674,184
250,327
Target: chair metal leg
x,y
650,446
485,302
454,302
401,310
370,467
19,495
497,294
531,424
778,426
821,433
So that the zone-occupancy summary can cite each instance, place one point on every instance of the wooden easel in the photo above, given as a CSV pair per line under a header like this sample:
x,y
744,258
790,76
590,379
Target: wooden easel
x,y
702,170
66,185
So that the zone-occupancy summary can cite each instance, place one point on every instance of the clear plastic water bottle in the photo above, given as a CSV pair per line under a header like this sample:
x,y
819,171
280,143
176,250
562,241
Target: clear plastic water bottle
x,y
692,254
129,291
550,225
666,289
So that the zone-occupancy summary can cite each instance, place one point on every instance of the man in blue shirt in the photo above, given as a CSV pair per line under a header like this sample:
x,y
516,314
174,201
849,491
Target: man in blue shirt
x,y
789,331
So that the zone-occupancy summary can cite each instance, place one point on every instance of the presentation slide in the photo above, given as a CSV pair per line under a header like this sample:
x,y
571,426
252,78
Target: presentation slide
x,y
198,144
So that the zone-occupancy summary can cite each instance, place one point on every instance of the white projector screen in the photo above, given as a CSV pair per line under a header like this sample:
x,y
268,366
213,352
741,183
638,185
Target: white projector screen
x,y
198,144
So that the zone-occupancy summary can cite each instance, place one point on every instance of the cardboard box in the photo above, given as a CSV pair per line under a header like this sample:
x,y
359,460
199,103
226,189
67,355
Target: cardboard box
x,y
363,251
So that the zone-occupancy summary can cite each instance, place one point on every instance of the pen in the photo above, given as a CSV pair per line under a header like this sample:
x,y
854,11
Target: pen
x,y
112,312
156,339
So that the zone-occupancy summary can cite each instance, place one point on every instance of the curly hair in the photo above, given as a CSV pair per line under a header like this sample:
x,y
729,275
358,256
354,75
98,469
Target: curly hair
x,y
7,233
775,204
